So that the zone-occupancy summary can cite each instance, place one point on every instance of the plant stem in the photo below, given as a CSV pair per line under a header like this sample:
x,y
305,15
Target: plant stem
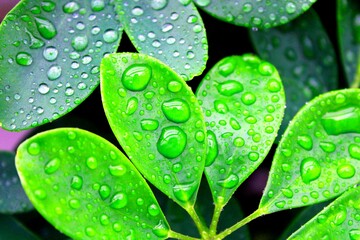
x,y
356,82
203,229
259,212
215,218
180,236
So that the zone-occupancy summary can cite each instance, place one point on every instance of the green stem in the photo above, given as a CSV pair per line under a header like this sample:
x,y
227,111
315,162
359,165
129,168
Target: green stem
x,y
180,236
356,82
259,212
203,229
215,218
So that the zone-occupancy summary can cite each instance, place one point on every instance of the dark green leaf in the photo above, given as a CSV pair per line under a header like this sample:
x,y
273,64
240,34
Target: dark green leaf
x,y
243,101
50,57
305,58
87,188
12,196
340,220
171,31
10,228
348,19
255,14
318,157
157,120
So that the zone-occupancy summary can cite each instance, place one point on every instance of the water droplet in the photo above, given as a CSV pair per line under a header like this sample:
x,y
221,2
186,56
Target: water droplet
x,y
172,142
137,11
354,151
52,166
71,7
248,98
212,151
54,72
74,203
328,147
310,169
174,86
110,36
136,77
354,234
253,156
97,5
346,120
33,149
158,4
346,171
273,85
117,170
229,88
287,192
50,53
227,67
80,43
40,194
119,201
280,204
91,163
184,192
149,124
290,7
161,230
220,106
247,7
104,191
340,217
266,69
167,27
305,142
239,142
132,106
153,210
76,182
24,59
229,182
46,29
90,231
176,110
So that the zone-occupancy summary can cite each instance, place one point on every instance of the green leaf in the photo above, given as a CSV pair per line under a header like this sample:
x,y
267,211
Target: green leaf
x,y
12,196
259,14
318,156
305,58
340,220
348,15
74,176
50,57
157,120
171,31
243,101
10,228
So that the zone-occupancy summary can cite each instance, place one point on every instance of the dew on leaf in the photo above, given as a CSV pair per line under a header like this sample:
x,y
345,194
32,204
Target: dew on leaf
x,y
184,192
174,86
239,142
24,59
346,171
43,88
34,148
153,210
119,200
117,170
74,203
229,88
40,194
221,106
97,5
52,166
117,227
266,69
176,110
104,220
273,85
91,163
161,230
137,11
50,53
80,43
104,191
328,147
253,156
310,169
149,124
110,36
76,182
248,98
287,192
54,72
46,29
345,120
235,124
158,4
71,7
354,234
172,142
90,232
227,67
136,77
354,151
229,182
213,151
132,105
305,141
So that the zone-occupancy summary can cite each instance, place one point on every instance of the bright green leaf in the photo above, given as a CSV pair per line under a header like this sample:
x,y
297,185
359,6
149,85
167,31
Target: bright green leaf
x,y
348,19
255,14
340,220
305,58
50,57
243,101
158,122
12,196
318,156
171,31
86,188
10,228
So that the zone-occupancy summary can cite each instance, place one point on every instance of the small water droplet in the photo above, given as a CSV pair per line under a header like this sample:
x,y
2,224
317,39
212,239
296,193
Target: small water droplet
x,y
176,110
220,106
227,67
153,210
229,88
91,163
248,98
158,4
90,231
287,192
149,124
310,169
290,8
40,194
137,11
119,201
34,148
24,59
117,170
110,36
71,7
136,77
328,147
97,5
212,152
346,171
50,53
132,106
305,141
80,43
52,166
172,142
161,230
184,192
76,182
247,7
274,85
104,191
229,182
54,72
46,29
354,151
266,69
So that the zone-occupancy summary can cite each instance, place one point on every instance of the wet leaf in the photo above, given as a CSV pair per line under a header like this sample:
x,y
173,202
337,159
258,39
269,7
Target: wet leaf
x,y
72,175
318,157
259,14
348,20
305,58
12,229
50,57
243,101
171,31
12,196
340,220
158,122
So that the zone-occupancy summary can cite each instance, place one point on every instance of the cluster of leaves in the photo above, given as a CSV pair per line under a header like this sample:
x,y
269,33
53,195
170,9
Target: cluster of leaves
x,y
171,135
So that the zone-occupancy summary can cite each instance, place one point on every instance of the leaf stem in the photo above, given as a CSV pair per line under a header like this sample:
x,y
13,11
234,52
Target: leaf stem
x,y
203,229
180,236
215,218
259,212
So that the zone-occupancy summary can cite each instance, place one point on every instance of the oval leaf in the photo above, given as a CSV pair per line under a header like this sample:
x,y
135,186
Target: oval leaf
x,y
12,196
86,188
243,101
318,156
157,120
255,14
305,58
171,31
340,220
50,57
10,228
348,15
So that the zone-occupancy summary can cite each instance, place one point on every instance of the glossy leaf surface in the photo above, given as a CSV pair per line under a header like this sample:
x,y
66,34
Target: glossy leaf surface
x,y
12,196
171,31
158,122
243,101
73,176
340,220
255,14
318,156
348,15
50,57
304,57
10,228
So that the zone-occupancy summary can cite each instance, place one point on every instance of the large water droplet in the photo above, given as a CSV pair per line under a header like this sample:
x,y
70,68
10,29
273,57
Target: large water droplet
x,y
172,142
346,120
229,88
176,110
305,141
212,148
229,182
119,201
310,169
52,166
136,77
346,171
354,234
24,59
46,29
161,230
184,192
